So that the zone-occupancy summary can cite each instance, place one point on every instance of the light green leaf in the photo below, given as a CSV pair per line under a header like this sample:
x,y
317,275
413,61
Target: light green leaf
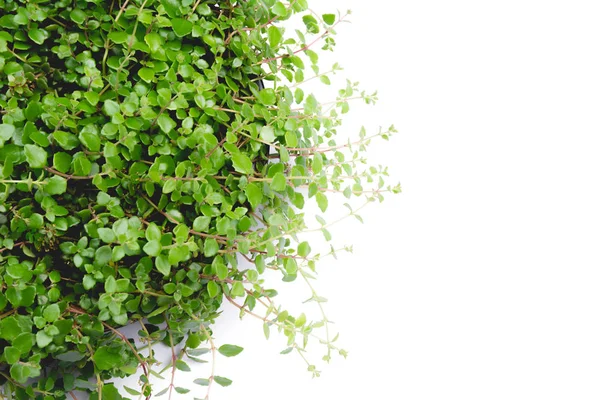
x,y
237,289
201,224
162,265
223,381
211,247
230,350
275,36
51,313
303,249
110,285
279,9
154,41
90,138
267,133
329,19
213,289
6,132
147,74
279,182
56,185
322,201
242,163
42,339
35,156
111,107
254,193
166,123
107,235
153,248
267,97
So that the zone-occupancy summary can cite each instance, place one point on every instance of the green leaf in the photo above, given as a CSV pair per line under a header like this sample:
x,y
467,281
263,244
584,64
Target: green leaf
x,y
279,183
56,185
303,249
51,313
89,137
111,107
237,289
329,19
213,289
66,140
62,162
267,97
118,37
42,339
267,133
153,248
166,123
171,7
11,354
162,265
202,382
6,132
35,156
204,9
21,372
78,16
274,36
110,285
103,255
24,342
312,25
154,41
254,193
88,282
182,27
182,366
105,359
92,97
322,201
107,235
147,74
153,232
70,356
242,163
223,381
211,247
38,35
279,9
230,350
201,224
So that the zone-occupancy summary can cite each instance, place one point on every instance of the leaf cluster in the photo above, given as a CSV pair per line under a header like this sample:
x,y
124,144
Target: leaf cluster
x,y
141,157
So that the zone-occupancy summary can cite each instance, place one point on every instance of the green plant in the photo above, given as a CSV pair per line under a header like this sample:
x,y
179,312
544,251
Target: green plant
x,y
139,158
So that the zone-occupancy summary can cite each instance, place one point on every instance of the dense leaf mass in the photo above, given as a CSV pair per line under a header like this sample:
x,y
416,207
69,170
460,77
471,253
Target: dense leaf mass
x,y
139,157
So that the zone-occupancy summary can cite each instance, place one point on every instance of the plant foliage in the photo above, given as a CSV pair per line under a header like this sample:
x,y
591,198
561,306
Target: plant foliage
x,y
140,159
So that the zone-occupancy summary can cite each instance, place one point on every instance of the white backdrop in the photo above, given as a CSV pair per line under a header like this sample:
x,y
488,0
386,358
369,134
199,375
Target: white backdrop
x,y
481,280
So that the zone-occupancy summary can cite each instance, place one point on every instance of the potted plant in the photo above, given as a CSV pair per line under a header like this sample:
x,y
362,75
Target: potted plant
x,y
141,159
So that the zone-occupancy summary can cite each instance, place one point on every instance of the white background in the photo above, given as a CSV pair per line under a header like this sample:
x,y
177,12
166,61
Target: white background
x,y
481,280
